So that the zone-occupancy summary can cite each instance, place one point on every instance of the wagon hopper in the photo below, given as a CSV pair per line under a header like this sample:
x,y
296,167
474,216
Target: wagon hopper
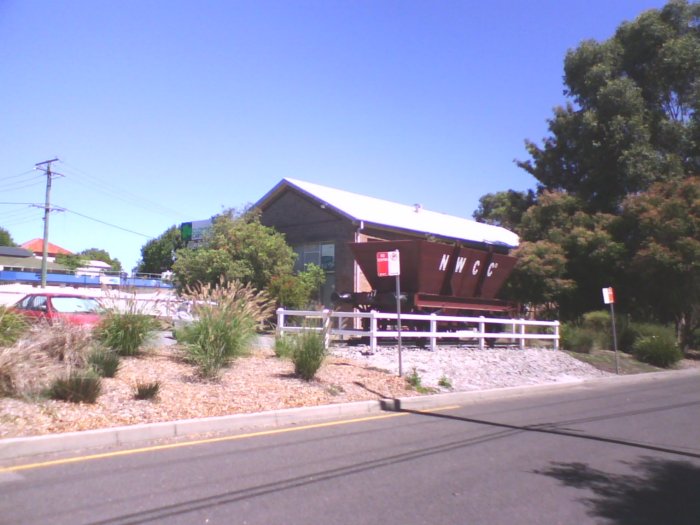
x,y
435,277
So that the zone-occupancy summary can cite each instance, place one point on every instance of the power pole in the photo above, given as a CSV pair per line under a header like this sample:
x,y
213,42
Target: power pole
x,y
47,211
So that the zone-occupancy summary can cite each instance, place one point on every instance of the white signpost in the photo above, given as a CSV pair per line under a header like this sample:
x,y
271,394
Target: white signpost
x,y
389,264
609,298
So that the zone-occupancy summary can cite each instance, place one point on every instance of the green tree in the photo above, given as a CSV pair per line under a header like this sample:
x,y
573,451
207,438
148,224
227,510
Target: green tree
x,y
70,260
239,248
74,261
632,117
97,254
567,255
158,255
504,208
6,238
662,229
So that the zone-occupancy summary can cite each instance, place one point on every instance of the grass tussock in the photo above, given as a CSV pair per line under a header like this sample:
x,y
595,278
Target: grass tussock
x,y
12,326
44,353
127,325
308,351
226,319
146,390
78,386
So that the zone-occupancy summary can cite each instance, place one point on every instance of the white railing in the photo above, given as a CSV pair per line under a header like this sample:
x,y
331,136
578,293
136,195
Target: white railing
x,y
343,325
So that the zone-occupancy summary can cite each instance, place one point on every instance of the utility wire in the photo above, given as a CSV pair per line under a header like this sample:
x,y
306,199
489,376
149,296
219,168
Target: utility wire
x,y
114,191
17,176
104,222
21,184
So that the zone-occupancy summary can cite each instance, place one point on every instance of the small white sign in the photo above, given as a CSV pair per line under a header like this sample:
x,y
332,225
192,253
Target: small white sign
x,y
388,263
608,295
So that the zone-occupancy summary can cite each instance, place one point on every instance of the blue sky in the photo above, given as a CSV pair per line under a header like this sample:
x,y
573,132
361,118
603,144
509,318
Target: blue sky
x,y
168,111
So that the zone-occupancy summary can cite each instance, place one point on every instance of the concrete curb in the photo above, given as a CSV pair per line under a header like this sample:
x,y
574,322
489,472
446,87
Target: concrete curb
x,y
16,448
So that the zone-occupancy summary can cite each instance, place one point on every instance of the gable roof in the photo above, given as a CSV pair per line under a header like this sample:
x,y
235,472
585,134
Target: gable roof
x,y
37,246
379,212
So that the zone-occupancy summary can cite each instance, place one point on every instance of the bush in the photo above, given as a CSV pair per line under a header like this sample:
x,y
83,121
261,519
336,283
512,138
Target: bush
x,y
77,387
226,318
104,362
125,332
284,347
308,353
631,332
147,390
12,326
657,350
577,339
599,320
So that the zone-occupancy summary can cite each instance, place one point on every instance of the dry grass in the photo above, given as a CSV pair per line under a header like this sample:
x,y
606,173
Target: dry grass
x,y
43,354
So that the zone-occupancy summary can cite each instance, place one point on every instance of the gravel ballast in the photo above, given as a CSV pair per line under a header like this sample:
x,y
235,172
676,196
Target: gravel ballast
x,y
469,368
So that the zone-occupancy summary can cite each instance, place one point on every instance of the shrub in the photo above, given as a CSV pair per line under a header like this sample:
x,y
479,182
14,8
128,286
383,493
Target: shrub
x,y
104,362
77,387
12,326
308,353
445,382
577,339
599,323
630,333
598,320
284,347
414,379
125,332
146,390
657,350
226,318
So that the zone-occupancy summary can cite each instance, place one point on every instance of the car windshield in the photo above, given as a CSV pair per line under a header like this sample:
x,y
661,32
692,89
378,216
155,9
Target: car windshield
x,y
72,305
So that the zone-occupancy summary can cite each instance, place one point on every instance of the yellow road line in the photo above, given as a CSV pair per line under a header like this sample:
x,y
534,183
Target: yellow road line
x,y
261,433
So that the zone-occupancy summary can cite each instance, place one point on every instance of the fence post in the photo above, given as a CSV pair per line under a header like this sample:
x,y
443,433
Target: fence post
x,y
326,328
556,335
373,331
433,332
482,331
280,322
513,330
522,332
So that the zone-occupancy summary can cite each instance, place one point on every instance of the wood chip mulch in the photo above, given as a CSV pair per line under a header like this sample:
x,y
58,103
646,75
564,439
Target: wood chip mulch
x,y
256,383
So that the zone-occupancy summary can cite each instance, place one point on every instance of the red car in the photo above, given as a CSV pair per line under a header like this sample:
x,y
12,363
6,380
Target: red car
x,y
68,308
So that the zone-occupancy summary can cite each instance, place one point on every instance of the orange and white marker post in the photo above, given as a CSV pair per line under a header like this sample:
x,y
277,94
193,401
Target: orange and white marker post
x,y
609,298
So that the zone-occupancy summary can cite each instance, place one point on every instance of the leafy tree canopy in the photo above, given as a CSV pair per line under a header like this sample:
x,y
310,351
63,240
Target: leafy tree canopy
x,y
158,255
74,261
6,238
504,208
662,229
632,118
240,248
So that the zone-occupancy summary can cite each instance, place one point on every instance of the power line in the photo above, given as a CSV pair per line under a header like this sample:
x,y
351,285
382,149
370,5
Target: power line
x,y
18,175
106,223
113,191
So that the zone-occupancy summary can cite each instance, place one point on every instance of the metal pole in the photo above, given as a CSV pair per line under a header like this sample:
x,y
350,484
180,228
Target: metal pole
x,y
617,362
398,319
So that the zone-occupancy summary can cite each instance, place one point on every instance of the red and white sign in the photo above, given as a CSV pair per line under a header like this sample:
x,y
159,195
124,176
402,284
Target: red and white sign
x,y
608,296
388,263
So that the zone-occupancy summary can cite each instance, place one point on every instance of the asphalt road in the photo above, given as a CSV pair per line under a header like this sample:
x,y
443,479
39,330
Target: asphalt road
x,y
627,454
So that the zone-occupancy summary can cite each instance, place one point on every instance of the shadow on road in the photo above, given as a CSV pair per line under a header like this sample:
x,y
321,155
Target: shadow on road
x,y
660,491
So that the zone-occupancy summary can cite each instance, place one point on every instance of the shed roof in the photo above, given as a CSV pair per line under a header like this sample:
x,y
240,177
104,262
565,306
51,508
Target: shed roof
x,y
380,212
37,246
15,251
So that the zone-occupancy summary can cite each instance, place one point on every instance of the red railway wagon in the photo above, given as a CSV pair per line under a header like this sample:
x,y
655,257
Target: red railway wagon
x,y
435,277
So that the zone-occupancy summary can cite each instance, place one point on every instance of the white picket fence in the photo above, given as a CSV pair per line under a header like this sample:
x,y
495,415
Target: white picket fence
x,y
341,325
